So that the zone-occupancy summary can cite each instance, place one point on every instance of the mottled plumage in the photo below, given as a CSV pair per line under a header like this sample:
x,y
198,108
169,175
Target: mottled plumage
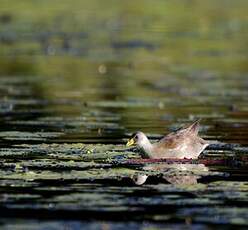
x,y
184,143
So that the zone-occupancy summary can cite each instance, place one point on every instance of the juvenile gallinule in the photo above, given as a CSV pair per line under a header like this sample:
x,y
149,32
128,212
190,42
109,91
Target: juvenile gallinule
x,y
184,143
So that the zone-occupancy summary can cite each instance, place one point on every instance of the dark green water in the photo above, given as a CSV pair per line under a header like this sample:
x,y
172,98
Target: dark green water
x,y
77,79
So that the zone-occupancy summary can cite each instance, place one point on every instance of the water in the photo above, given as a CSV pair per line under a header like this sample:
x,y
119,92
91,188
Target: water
x,y
76,80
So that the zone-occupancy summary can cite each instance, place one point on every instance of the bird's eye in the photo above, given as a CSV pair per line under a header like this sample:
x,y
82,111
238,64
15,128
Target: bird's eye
x,y
136,137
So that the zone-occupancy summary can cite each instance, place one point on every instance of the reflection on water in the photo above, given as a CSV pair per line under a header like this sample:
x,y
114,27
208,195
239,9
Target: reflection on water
x,y
76,79
177,174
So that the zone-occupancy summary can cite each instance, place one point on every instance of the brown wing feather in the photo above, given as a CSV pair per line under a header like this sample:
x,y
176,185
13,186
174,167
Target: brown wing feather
x,y
172,141
175,139
192,128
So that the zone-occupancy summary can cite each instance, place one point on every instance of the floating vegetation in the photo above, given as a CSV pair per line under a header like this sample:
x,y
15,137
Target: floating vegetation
x,y
25,136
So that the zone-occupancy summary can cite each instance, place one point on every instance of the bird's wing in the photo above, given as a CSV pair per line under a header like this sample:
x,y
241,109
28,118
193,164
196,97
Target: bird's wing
x,y
192,129
180,137
172,141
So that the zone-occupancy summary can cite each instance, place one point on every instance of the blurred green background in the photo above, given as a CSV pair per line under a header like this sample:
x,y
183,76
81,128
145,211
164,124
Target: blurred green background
x,y
182,51
69,37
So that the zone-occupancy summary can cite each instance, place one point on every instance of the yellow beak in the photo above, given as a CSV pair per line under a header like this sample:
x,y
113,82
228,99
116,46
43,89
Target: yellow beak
x,y
130,142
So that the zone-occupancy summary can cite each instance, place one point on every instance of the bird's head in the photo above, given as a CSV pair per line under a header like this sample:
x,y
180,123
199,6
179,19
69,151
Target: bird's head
x,y
138,139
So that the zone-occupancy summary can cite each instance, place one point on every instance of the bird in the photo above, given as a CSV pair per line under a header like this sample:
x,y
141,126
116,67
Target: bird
x,y
183,143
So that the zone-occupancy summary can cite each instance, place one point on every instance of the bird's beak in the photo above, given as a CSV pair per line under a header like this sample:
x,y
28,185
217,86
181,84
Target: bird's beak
x,y
130,142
